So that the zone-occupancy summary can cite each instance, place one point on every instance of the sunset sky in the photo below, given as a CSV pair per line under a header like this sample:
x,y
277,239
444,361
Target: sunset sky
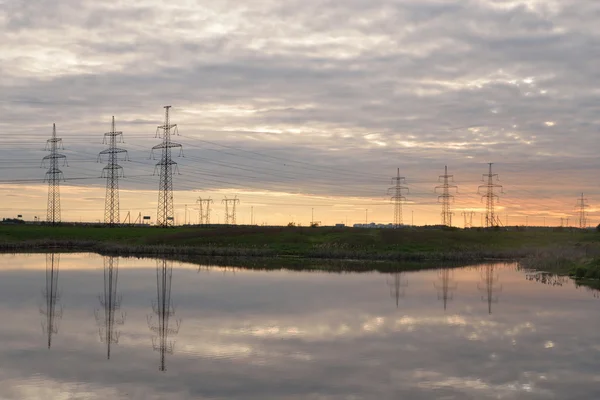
x,y
299,104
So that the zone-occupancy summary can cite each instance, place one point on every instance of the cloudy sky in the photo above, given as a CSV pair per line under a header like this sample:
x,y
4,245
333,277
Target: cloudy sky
x,y
294,105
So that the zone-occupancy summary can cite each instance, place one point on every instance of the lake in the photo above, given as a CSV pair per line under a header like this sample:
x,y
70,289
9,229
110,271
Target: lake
x,y
82,326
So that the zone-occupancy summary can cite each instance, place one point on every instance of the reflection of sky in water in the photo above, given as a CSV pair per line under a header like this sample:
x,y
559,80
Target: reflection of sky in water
x,y
292,335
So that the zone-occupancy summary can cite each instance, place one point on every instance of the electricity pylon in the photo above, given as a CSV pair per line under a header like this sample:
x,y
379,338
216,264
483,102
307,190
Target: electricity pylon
x,y
53,176
204,210
164,215
488,286
581,207
491,220
445,197
397,285
51,297
398,198
445,286
111,302
164,310
230,211
112,172
468,215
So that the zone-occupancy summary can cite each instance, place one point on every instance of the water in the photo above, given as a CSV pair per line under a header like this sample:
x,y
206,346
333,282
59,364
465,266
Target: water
x,y
238,334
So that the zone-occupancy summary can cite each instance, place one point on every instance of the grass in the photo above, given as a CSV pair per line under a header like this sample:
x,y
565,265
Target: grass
x,y
324,242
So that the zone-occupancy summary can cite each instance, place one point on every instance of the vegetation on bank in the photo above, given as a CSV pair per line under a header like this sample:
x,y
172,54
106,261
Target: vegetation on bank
x,y
412,244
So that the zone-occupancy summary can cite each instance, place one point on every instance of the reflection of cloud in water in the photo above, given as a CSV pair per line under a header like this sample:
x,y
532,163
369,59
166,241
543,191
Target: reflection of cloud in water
x,y
283,335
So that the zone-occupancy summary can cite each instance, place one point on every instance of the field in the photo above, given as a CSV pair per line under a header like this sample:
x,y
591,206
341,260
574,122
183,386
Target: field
x,y
322,242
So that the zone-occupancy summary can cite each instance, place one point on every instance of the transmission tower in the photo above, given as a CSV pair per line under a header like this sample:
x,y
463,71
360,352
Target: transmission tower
x,y
581,207
204,210
112,172
445,197
51,297
53,176
111,303
488,285
164,215
468,216
397,197
230,209
164,310
445,286
397,286
491,219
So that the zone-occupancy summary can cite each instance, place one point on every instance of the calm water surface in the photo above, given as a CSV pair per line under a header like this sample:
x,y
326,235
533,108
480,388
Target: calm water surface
x,y
79,326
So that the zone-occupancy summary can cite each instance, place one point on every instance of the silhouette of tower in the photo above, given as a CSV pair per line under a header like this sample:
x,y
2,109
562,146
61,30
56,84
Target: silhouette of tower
x,y
164,215
53,176
397,197
204,210
397,285
163,326
468,215
445,197
491,198
112,172
230,209
111,303
51,296
582,205
488,285
445,286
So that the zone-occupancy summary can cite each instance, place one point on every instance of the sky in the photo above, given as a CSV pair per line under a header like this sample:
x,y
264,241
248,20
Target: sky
x,y
302,107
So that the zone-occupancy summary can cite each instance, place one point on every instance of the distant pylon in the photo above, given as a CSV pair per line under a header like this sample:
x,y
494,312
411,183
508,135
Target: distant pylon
x,y
53,176
468,215
446,197
111,302
112,172
491,219
446,286
204,210
581,206
230,211
164,215
51,297
164,310
488,285
398,198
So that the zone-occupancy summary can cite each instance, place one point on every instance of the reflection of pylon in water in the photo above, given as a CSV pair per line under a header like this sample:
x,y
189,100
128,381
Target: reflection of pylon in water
x,y
111,303
397,285
164,310
488,285
446,285
51,296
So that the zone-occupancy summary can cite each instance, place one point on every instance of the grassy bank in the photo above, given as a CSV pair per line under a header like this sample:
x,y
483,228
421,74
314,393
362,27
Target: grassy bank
x,y
331,243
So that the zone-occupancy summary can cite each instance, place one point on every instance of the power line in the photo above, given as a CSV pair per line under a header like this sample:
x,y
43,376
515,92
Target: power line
x,y
581,207
230,211
204,210
53,176
491,219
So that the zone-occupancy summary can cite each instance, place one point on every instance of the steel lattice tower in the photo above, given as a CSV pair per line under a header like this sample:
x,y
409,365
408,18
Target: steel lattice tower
x,y
446,197
230,212
581,207
164,310
51,297
111,303
468,215
204,210
491,198
53,176
397,197
164,215
112,172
